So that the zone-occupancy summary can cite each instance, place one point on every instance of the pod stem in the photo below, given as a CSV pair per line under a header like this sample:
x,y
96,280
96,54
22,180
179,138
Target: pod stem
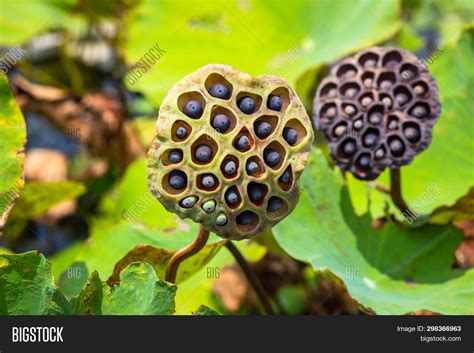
x,y
396,191
188,251
251,277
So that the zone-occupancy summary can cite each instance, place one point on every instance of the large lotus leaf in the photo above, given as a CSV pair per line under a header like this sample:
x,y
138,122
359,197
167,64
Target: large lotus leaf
x,y
12,153
140,292
393,270
253,36
445,171
205,311
22,19
73,279
27,288
89,300
62,259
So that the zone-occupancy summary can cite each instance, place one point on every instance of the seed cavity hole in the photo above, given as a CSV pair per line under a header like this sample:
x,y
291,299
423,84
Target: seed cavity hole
x,y
222,119
207,182
192,104
230,167
218,86
279,99
203,150
285,181
180,131
255,167
247,221
368,60
174,182
248,103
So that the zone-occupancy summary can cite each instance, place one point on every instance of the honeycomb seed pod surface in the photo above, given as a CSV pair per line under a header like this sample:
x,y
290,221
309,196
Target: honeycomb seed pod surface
x,y
377,109
240,157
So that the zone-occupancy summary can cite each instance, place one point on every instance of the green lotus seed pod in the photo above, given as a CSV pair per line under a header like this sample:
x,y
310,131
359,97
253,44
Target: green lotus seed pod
x,y
213,162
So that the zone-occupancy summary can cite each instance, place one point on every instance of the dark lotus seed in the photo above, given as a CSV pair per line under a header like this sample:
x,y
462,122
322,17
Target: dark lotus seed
x,y
242,143
366,101
230,168
285,177
193,109
272,157
369,63
255,191
392,124
407,75
252,167
396,146
349,73
331,112
332,93
231,197
385,85
203,153
358,124
175,156
401,98
391,63
247,105
208,181
367,82
370,139
419,111
339,130
375,118
364,161
181,132
387,101
220,90
379,153
274,103
290,135
350,110
245,218
263,129
349,148
411,133
419,90
221,123
350,92
177,179
274,204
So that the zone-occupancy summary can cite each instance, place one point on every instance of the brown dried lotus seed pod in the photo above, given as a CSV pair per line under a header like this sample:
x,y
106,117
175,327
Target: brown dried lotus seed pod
x,y
377,109
229,149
